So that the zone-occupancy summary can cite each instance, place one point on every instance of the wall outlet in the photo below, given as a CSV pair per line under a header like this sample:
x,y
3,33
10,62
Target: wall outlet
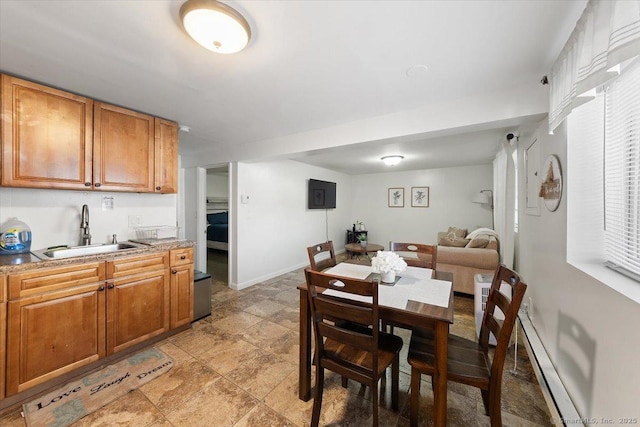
x,y
134,221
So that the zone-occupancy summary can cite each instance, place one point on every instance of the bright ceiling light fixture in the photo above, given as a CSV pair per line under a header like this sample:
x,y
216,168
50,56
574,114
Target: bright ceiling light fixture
x,y
391,160
215,26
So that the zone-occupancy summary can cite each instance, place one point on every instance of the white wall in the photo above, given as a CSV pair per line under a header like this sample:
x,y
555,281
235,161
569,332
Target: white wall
x,y
54,215
275,227
589,330
217,185
450,194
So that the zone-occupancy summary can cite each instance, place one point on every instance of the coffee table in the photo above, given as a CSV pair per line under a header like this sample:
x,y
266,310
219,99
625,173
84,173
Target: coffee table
x,y
356,249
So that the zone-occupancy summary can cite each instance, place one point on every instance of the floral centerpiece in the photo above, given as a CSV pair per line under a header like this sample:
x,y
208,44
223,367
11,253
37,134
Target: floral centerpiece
x,y
387,264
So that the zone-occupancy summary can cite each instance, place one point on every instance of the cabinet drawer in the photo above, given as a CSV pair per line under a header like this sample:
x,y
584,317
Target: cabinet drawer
x,y
137,264
181,256
51,279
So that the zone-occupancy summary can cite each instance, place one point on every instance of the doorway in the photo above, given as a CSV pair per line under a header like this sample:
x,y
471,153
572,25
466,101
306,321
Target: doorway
x,y
217,211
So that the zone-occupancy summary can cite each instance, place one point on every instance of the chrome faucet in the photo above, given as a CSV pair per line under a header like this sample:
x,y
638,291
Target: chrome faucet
x,y
84,227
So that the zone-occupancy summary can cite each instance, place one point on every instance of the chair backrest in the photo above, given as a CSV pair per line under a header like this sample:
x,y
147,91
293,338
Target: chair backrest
x,y
331,314
501,329
426,254
322,248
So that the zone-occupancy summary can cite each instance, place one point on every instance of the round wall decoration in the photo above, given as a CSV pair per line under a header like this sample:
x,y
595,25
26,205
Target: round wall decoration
x,y
551,187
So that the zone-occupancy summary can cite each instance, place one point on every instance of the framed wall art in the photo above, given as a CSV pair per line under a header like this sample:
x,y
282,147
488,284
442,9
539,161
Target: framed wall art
x,y
420,197
551,187
395,197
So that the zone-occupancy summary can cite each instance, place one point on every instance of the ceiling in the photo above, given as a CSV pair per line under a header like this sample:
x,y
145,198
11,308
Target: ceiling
x,y
310,65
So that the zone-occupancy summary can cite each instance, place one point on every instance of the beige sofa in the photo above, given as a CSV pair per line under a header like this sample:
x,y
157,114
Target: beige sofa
x,y
464,263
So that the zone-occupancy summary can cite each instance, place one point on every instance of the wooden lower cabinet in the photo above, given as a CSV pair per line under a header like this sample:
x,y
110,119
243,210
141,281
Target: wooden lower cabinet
x,y
181,295
59,319
181,261
138,309
3,332
52,333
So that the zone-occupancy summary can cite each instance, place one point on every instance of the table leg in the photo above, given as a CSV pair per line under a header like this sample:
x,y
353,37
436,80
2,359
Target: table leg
x,y
440,375
304,370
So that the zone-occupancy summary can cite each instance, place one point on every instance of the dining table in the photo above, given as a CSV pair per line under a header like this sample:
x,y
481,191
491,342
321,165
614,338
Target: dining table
x,y
419,298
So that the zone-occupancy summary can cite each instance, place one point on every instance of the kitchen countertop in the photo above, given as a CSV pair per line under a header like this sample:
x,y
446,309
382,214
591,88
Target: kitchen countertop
x,y
24,262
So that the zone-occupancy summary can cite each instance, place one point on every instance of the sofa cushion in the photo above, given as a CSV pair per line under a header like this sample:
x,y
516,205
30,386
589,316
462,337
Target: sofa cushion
x,y
477,258
458,242
478,242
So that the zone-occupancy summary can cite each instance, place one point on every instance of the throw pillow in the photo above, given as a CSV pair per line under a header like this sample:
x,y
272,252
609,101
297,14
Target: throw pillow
x,y
478,242
458,242
454,232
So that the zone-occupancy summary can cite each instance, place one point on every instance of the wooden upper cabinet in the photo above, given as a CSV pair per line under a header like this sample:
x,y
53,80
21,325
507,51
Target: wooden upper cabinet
x,y
46,136
123,150
55,139
166,156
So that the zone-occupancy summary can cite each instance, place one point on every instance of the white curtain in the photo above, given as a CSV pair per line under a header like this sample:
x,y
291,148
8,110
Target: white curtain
x,y
607,34
504,190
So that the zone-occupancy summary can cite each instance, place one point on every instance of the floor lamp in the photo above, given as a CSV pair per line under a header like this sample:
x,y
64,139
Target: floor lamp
x,y
485,197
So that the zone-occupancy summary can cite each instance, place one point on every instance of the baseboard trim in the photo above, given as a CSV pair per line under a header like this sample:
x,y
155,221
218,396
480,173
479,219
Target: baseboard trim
x,y
563,411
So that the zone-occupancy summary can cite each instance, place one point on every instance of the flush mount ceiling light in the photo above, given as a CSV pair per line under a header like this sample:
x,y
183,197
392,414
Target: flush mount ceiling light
x,y
215,26
391,160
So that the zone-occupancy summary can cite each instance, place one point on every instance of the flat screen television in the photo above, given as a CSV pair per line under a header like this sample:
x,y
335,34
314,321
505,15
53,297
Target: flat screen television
x,y
322,194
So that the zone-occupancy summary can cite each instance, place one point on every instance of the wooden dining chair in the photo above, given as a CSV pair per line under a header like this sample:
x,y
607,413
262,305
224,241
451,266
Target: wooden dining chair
x,y
325,253
361,355
469,362
426,254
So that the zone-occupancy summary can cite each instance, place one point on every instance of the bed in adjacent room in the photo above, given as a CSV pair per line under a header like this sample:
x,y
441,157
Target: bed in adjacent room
x,y
218,223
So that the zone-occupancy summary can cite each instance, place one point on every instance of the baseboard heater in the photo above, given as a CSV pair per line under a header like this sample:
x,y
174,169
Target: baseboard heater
x,y
563,411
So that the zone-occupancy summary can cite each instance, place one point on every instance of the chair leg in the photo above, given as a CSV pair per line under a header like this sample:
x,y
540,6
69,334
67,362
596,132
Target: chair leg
x,y
317,399
375,403
485,401
415,396
495,414
395,382
345,382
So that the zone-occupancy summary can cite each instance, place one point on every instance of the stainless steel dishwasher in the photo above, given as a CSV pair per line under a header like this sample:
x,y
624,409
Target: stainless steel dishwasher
x,y
201,295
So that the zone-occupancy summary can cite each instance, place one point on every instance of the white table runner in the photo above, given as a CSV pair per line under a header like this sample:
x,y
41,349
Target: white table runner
x,y
415,284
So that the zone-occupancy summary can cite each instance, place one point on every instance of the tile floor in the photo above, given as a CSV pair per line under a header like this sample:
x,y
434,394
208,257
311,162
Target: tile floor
x,y
238,368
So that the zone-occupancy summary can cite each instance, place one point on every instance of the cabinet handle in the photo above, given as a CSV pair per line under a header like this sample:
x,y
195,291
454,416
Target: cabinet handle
x,y
158,188
183,257
98,184
100,288
174,271
111,286
87,184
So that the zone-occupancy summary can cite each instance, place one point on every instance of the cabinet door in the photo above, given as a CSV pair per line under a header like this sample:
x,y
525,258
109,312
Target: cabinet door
x,y
137,308
166,162
123,150
52,333
3,331
181,295
46,136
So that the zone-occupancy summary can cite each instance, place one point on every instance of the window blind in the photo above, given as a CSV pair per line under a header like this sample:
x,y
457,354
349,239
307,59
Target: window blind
x,y
622,172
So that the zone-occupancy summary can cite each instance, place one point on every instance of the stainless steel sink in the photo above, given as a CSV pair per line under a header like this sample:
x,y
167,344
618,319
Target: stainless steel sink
x,y
75,251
